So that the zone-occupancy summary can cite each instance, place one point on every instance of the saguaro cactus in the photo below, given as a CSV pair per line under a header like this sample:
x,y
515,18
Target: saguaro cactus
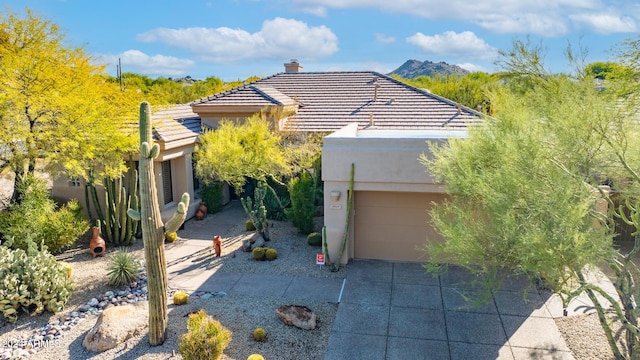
x,y
153,230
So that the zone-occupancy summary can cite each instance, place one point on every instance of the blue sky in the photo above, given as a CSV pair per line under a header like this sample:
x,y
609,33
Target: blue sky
x,y
235,39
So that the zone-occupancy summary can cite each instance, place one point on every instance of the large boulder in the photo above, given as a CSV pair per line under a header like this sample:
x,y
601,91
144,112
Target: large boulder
x,y
299,316
116,325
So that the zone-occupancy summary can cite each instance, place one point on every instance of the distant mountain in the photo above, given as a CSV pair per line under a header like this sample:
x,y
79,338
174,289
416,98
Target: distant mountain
x,y
414,68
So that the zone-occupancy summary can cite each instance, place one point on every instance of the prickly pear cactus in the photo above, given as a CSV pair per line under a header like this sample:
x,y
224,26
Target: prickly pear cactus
x,y
153,230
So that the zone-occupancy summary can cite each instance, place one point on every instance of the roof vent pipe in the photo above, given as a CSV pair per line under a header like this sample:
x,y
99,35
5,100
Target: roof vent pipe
x,y
370,119
292,67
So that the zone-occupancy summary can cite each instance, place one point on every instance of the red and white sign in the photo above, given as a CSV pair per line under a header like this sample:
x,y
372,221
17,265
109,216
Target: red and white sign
x,y
320,259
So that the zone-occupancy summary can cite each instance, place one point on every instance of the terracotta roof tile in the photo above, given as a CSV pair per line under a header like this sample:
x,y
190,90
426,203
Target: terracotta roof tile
x,y
328,101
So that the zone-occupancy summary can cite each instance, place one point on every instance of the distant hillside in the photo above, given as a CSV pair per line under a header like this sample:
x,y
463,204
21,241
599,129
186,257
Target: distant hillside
x,y
414,68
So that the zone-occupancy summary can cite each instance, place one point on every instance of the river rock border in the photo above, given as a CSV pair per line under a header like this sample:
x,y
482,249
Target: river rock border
x,y
50,334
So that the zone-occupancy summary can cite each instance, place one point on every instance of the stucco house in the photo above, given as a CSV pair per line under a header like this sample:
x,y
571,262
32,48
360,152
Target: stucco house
x,y
175,130
377,123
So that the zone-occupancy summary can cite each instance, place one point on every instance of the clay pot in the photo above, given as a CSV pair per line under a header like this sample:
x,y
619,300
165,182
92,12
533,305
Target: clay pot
x,y
97,246
203,208
199,215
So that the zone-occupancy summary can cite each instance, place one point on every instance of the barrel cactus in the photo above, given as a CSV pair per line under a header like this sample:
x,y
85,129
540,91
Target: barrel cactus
x,y
259,334
180,298
270,254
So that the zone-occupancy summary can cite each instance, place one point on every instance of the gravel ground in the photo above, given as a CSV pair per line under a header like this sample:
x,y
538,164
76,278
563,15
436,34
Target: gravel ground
x,y
585,337
240,314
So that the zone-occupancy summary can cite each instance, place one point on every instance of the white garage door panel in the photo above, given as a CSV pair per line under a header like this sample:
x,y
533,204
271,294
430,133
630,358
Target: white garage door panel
x,y
392,226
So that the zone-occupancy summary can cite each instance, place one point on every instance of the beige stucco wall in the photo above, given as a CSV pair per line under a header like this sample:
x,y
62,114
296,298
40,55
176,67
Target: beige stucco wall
x,y
385,160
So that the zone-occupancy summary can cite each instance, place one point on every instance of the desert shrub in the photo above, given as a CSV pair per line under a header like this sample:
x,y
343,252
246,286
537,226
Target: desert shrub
x,y
303,193
205,339
212,195
123,268
32,281
36,219
314,239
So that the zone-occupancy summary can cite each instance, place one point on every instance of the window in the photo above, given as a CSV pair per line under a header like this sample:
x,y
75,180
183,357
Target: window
x,y
167,184
75,182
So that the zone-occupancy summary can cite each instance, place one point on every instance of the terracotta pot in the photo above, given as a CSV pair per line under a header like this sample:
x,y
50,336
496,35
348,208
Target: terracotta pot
x,y
97,246
203,208
217,245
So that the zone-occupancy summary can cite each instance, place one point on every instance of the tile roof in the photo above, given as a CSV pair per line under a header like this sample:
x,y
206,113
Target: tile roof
x,y
176,122
327,101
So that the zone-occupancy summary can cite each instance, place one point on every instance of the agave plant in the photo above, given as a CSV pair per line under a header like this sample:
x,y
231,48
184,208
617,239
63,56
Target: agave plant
x,y
123,268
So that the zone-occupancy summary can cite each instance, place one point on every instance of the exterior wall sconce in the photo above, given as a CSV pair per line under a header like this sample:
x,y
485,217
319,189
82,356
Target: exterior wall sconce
x,y
335,195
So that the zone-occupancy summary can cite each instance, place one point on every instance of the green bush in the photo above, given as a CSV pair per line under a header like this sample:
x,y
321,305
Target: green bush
x,y
314,239
272,204
303,193
32,281
123,268
212,196
206,338
36,218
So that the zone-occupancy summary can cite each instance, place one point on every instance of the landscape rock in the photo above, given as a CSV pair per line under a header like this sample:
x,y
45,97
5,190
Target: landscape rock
x,y
116,325
257,241
246,245
299,316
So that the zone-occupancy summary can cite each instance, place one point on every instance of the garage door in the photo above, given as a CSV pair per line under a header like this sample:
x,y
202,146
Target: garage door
x,y
391,225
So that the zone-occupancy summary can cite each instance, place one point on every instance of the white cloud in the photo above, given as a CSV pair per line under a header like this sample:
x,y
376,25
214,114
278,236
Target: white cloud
x,y
549,18
605,23
139,62
385,38
278,39
473,67
543,24
465,45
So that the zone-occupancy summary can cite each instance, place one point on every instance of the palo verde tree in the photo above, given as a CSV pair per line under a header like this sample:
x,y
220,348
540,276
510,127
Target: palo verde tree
x,y
56,107
237,151
526,189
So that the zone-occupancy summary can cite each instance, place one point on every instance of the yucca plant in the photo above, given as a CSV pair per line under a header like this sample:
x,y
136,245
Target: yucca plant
x,y
123,268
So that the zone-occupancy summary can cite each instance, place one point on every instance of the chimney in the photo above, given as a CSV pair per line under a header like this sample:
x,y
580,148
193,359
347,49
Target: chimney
x,y
293,66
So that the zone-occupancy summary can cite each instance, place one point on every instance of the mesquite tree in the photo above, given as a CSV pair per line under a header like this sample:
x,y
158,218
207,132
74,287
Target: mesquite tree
x,y
153,230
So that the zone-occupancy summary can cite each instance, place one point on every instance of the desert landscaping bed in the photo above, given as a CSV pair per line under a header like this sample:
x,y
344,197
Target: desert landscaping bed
x,y
240,314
